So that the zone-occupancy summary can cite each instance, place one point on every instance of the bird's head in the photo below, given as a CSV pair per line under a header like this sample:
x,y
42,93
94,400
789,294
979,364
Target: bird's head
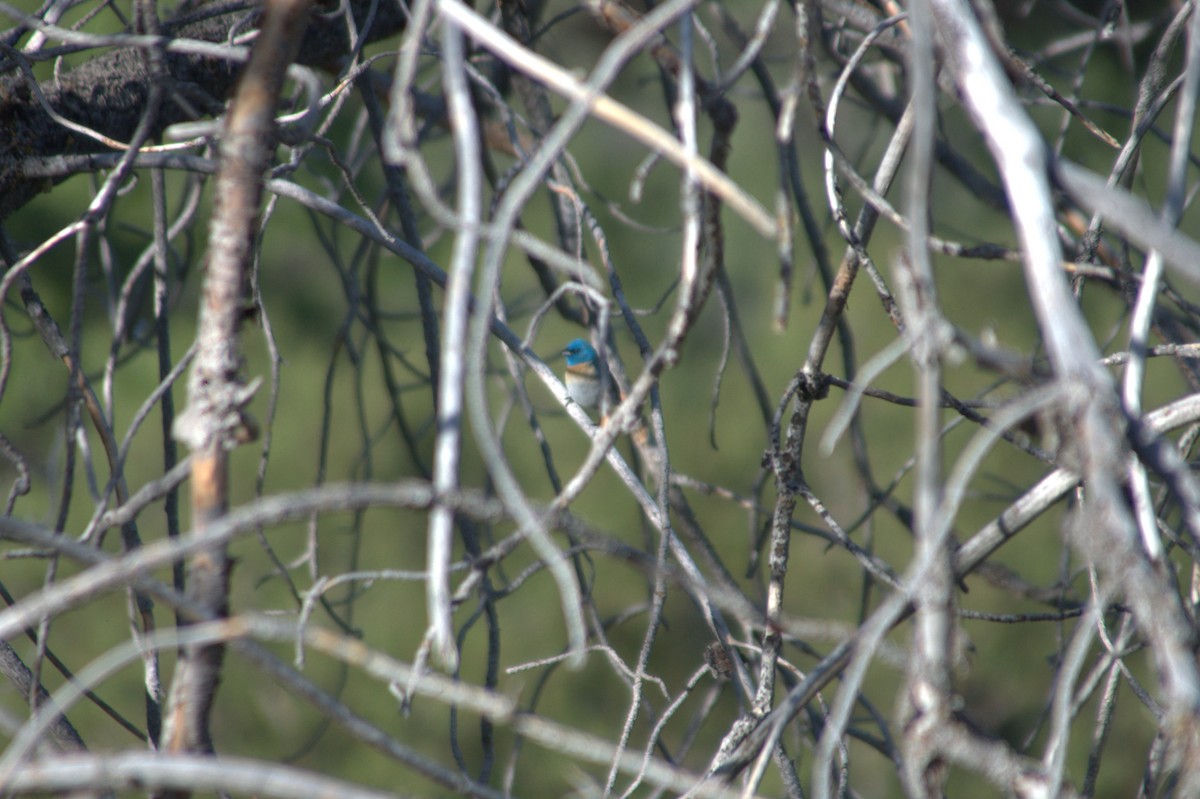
x,y
579,352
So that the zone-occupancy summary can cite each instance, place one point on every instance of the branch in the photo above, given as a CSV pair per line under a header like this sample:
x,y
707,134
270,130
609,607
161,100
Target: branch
x,y
214,422
108,94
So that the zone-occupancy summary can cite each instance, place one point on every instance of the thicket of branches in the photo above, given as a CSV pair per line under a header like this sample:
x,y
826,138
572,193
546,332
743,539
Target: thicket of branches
x,y
927,269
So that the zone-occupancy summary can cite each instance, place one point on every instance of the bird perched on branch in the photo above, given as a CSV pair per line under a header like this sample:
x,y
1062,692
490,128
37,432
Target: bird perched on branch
x,y
582,377
586,384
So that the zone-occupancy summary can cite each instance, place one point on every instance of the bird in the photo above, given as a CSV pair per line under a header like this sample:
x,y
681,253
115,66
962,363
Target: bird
x,y
582,376
586,385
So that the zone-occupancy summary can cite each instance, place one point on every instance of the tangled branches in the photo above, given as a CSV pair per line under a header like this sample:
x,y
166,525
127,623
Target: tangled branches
x,y
889,485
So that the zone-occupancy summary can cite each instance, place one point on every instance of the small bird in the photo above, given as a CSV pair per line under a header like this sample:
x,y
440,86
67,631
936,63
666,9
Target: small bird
x,y
583,373
585,385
